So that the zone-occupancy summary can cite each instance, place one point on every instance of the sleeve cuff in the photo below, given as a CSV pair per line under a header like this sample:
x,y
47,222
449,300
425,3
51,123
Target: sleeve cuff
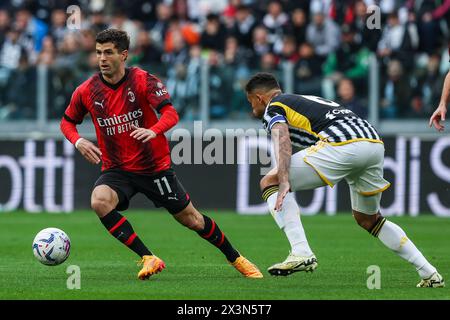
x,y
76,142
276,119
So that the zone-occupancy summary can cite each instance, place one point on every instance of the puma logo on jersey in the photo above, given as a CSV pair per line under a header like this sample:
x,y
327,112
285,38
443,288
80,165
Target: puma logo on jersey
x,y
99,103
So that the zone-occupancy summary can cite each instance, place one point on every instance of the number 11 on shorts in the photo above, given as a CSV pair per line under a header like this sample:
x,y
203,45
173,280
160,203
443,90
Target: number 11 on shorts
x,y
158,183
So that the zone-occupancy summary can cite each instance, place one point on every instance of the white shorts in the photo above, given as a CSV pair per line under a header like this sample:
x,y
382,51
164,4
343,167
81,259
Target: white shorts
x,y
360,163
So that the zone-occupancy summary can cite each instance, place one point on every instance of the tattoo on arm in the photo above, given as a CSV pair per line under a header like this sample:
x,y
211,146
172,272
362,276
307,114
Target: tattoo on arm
x,y
283,150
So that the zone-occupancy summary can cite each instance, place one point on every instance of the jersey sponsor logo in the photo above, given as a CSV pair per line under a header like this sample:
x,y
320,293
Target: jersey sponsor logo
x,y
99,103
333,113
120,123
131,96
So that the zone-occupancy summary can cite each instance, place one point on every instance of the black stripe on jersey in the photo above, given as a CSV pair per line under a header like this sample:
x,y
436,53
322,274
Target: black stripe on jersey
x,y
332,137
372,130
341,128
303,139
163,104
358,133
71,120
356,128
304,136
299,142
347,127
368,127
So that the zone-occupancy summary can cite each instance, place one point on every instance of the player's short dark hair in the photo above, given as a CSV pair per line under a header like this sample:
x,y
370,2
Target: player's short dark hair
x,y
119,38
262,80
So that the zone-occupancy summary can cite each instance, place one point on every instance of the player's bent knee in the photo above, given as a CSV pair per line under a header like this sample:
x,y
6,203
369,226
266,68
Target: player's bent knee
x,y
365,221
267,181
103,201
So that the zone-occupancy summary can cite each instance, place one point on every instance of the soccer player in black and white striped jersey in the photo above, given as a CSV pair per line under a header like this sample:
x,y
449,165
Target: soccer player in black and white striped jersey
x,y
337,145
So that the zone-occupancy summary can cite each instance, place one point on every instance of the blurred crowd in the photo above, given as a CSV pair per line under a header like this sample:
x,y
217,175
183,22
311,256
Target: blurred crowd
x,y
326,43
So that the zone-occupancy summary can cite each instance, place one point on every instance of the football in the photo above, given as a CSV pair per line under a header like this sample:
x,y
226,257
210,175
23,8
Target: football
x,y
51,246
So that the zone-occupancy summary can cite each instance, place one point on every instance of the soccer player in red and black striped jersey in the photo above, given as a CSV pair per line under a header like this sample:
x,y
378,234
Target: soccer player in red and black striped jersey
x,y
123,104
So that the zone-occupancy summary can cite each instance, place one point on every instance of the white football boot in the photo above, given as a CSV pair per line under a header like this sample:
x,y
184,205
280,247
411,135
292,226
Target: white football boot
x,y
293,263
435,281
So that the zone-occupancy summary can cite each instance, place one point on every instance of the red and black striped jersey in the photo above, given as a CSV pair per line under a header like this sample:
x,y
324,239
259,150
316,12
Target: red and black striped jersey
x,y
134,100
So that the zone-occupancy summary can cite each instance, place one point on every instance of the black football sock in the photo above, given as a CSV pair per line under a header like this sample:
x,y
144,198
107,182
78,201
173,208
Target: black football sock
x,y
215,236
122,230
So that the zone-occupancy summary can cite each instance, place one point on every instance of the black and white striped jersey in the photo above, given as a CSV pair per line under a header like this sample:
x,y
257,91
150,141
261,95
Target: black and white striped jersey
x,y
312,118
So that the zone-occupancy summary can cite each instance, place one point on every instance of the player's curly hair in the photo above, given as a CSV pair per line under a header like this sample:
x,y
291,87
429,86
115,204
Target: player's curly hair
x,y
262,80
119,38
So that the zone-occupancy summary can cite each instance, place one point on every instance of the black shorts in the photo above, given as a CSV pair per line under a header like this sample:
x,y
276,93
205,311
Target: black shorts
x,y
163,188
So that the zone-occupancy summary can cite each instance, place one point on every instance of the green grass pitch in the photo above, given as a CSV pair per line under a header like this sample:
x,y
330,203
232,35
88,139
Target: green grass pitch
x,y
197,270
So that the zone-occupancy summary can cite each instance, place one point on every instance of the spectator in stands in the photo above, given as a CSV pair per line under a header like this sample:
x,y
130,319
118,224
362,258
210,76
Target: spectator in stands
x,y
268,63
5,23
289,52
323,34
366,37
350,60
179,29
97,21
122,22
399,41
58,28
32,32
308,71
275,21
21,92
48,53
347,98
395,92
429,28
146,54
261,44
159,29
428,88
296,27
244,25
213,36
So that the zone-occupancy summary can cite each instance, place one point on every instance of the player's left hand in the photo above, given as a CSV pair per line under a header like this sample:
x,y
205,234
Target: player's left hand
x,y
283,190
142,134
438,116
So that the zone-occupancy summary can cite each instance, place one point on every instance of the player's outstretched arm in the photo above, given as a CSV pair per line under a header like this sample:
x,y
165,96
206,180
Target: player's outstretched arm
x,y
283,152
439,114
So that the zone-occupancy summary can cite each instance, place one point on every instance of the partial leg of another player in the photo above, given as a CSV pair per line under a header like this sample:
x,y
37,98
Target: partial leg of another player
x,y
302,177
104,201
209,230
367,215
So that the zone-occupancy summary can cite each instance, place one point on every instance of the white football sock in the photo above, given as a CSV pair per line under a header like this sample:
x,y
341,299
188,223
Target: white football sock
x,y
395,239
288,219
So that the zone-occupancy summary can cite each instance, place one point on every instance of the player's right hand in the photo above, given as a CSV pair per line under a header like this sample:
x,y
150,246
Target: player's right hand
x,y
89,150
438,116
